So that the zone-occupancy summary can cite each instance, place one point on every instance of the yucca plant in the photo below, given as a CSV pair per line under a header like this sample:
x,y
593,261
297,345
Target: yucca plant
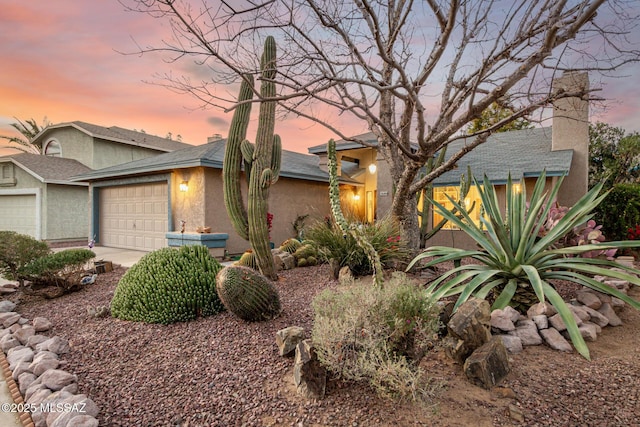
x,y
513,260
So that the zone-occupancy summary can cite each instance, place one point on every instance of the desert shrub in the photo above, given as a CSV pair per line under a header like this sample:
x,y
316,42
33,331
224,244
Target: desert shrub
x,y
18,250
384,235
619,211
169,285
63,269
378,334
247,293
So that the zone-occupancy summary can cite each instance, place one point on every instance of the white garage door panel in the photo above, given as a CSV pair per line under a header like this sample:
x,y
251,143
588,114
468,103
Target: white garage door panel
x,y
134,216
18,213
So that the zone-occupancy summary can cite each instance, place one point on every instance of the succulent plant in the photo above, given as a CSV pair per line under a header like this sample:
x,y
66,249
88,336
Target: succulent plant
x,y
248,294
261,162
290,245
169,285
248,259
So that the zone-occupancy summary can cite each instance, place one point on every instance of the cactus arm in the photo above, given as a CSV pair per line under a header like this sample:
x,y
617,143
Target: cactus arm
x,y
263,153
276,158
336,209
231,170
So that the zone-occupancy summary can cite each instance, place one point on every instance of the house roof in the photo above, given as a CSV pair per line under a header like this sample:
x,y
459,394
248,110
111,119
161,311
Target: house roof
x,y
523,153
51,170
294,165
342,145
118,134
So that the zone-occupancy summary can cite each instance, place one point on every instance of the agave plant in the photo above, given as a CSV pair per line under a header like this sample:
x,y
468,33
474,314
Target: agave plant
x,y
513,260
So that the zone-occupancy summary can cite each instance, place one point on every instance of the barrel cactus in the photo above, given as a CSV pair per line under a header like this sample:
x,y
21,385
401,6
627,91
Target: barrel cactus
x,y
306,255
290,245
248,259
247,293
169,285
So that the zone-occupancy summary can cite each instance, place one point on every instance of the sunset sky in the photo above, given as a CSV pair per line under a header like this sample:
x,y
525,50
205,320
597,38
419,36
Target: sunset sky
x,y
61,59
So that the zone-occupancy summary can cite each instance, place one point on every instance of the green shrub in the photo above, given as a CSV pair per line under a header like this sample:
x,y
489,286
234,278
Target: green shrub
x,y
169,285
64,268
18,250
247,293
384,235
378,334
619,211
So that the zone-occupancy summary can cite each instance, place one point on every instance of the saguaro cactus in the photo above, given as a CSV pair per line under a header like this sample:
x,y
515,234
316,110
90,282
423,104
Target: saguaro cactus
x,y
336,210
262,162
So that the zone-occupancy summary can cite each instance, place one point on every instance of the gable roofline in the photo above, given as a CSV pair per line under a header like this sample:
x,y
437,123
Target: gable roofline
x,y
39,176
117,134
294,165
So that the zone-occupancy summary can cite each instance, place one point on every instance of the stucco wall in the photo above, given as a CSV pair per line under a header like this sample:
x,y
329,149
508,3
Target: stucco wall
x,y
109,153
74,144
189,205
288,199
66,212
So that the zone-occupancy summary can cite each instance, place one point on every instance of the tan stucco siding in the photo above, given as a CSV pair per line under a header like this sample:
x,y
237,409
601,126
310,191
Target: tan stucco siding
x,y
66,212
203,204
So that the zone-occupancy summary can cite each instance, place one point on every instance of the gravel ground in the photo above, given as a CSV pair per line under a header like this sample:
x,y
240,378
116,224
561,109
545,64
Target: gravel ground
x,y
221,371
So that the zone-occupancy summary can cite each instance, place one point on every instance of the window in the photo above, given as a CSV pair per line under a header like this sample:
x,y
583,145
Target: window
x,y
472,200
53,149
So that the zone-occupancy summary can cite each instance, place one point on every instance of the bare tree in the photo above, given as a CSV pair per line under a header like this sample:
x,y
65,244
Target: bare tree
x,y
417,72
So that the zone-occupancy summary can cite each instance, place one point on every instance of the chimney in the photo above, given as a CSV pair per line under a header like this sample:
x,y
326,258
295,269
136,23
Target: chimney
x,y
570,131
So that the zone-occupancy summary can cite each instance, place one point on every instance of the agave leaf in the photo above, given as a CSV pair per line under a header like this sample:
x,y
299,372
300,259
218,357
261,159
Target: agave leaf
x,y
567,316
598,286
441,254
505,296
477,281
535,280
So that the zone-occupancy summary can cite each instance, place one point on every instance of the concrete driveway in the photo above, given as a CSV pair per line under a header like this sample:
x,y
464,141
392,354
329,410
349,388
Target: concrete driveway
x,y
124,257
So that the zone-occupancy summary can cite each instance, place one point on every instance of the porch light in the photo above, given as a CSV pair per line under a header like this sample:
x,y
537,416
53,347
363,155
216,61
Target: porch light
x,y
356,196
184,186
372,168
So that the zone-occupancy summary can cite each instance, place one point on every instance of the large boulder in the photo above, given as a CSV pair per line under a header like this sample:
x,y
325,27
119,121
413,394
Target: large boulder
x,y
488,365
469,328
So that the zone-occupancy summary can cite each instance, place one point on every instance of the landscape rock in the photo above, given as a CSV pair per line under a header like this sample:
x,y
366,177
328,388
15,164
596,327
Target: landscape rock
x,y
8,342
541,321
19,354
557,322
56,379
36,393
309,376
24,333
501,320
56,345
527,331
40,366
580,312
6,306
512,343
24,381
588,299
9,318
555,340
589,331
19,369
41,324
83,421
607,311
287,339
596,317
541,308
34,340
469,328
488,365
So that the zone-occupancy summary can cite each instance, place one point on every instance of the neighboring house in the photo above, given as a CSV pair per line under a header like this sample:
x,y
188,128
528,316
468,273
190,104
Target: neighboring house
x,y
560,150
36,196
135,205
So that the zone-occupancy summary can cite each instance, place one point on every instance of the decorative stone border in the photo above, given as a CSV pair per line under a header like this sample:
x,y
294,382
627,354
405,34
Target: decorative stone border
x,y
31,370
25,417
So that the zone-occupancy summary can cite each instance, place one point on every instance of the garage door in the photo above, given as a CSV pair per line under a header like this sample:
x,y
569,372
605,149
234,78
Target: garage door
x,y
18,213
134,216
